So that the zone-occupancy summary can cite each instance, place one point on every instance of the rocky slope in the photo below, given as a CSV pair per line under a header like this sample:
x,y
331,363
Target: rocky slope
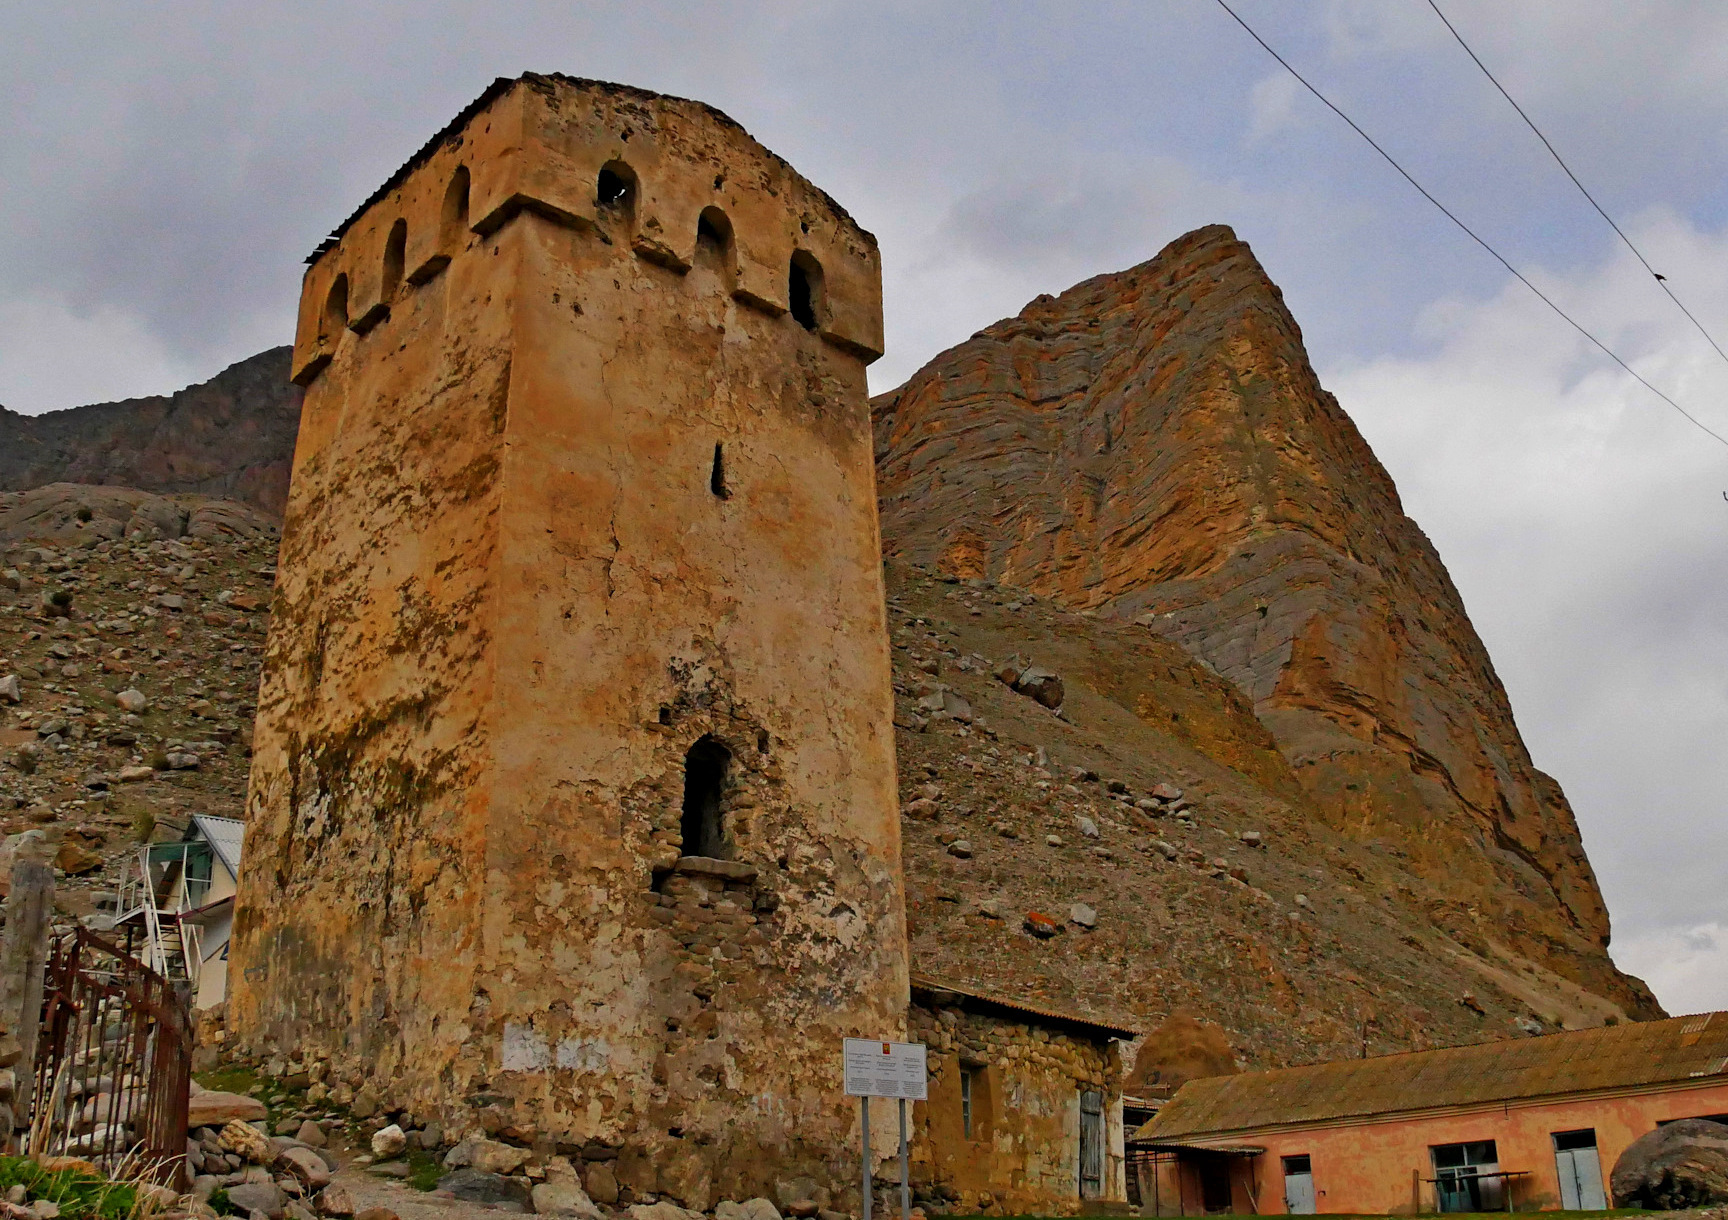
x,y
231,436
164,597
1153,447
1152,822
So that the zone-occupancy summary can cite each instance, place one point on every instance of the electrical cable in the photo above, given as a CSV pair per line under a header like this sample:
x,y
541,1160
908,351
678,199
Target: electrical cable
x,y
1471,233
1661,280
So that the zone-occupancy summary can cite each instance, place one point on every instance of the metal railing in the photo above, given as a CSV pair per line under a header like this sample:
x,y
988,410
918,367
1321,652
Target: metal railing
x,y
113,1062
156,894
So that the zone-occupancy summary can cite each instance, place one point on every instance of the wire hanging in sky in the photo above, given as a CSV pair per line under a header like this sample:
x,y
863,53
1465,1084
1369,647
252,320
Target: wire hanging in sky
x,y
1661,280
1471,233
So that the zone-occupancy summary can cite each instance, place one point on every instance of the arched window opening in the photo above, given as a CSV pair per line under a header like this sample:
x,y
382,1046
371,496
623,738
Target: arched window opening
x,y
714,241
395,254
804,290
336,308
717,477
706,768
453,222
616,187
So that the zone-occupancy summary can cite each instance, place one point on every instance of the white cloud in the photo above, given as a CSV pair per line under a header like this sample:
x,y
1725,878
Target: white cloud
x,y
1272,105
1584,523
1687,966
112,356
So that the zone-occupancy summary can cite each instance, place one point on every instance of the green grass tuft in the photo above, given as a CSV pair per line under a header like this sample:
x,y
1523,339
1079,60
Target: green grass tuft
x,y
80,1196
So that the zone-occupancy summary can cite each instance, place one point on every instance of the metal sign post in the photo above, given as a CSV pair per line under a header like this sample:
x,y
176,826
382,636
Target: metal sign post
x,y
886,1069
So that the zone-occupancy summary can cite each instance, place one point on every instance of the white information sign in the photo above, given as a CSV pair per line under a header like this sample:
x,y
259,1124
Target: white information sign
x,y
885,1069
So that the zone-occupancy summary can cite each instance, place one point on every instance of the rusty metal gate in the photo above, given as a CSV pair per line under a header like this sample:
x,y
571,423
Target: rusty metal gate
x,y
113,1063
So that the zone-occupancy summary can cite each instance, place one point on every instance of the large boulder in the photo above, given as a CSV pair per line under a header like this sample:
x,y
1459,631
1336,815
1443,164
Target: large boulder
x,y
1683,1164
209,1108
477,1186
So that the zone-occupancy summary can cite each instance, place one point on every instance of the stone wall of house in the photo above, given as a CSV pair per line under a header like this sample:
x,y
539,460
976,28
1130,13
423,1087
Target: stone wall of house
x,y
1024,1151
582,537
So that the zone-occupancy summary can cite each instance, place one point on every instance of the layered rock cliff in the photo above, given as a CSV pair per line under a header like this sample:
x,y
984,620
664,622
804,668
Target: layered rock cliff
x,y
1154,446
231,436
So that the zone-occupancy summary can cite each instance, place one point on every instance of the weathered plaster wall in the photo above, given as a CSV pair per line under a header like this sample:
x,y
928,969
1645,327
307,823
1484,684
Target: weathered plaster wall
x,y
1024,1153
513,596
1366,1168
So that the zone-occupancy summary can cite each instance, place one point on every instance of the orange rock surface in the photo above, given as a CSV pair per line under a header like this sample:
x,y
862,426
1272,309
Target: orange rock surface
x,y
1154,446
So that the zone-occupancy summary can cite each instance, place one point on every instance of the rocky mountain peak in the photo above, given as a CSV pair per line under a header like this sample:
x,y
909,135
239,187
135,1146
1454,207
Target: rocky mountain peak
x,y
1154,446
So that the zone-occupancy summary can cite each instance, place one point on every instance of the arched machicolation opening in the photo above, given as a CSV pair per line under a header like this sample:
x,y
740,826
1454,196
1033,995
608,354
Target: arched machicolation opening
x,y
804,290
336,308
707,768
714,241
395,255
616,187
453,219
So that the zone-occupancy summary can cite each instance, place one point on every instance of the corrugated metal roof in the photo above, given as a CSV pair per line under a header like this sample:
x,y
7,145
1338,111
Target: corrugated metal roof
x,y
971,998
1681,1049
226,836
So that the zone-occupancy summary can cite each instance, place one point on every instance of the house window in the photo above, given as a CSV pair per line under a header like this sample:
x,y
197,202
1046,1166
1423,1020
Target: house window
x,y
1579,1169
705,771
1467,1177
966,1078
199,872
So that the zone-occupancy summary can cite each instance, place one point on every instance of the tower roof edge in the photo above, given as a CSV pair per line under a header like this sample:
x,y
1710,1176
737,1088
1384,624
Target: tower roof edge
x,y
503,85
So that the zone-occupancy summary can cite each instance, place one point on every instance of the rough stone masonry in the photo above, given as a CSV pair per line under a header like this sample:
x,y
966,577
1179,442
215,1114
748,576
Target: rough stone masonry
x,y
572,814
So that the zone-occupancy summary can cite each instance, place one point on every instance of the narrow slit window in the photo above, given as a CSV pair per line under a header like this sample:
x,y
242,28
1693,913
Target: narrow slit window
x,y
717,476
966,1076
705,772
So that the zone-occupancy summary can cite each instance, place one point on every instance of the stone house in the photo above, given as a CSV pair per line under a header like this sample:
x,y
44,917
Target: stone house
x,y
1527,1124
1025,1105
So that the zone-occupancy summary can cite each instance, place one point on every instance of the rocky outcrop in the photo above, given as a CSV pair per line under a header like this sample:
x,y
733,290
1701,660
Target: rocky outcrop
x,y
1154,446
231,436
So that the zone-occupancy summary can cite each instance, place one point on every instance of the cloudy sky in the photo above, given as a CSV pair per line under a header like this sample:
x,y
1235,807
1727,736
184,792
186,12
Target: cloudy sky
x,y
167,166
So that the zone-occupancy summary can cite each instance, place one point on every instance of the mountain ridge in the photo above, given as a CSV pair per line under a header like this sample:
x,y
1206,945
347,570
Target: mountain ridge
x,y
231,437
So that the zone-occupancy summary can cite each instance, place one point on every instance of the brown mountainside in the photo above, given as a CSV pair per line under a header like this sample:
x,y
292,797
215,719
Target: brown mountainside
x,y
1153,446
231,437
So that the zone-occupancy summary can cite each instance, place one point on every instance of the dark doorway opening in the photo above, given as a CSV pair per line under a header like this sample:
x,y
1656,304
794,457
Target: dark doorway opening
x,y
705,773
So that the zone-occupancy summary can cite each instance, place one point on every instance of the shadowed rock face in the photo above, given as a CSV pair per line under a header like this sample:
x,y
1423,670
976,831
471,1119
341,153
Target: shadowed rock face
x,y
1153,445
231,436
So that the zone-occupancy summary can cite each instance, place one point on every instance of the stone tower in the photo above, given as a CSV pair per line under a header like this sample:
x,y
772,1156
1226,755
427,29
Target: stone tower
x,y
572,810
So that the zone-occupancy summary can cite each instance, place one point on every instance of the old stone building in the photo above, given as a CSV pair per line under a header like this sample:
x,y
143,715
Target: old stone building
x,y
1025,1108
572,813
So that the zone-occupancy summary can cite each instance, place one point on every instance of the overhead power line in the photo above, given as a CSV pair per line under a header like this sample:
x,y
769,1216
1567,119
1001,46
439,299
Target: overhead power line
x,y
1471,233
1661,280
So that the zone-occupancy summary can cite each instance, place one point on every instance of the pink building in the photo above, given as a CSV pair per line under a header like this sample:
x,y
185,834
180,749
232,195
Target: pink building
x,y
1530,1124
